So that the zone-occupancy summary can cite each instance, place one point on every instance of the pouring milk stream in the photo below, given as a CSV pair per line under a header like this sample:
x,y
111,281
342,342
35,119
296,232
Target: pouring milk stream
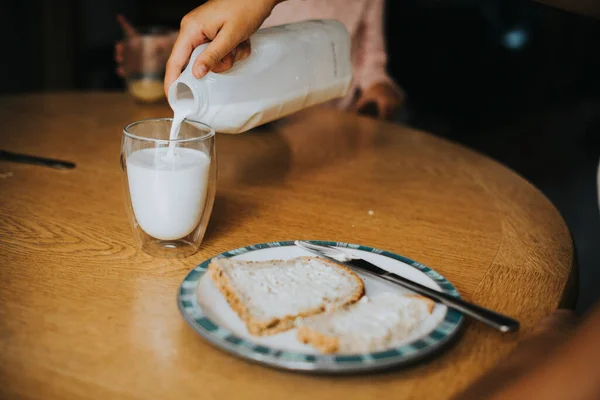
x,y
292,66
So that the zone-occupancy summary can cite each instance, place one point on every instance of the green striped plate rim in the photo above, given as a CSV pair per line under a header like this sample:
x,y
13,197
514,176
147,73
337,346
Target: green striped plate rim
x,y
192,312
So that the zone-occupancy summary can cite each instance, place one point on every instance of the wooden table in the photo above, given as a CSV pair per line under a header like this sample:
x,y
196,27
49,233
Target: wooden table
x,y
85,314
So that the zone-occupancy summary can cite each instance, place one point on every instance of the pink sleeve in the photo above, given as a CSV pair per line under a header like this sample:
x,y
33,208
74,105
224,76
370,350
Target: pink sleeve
x,y
373,55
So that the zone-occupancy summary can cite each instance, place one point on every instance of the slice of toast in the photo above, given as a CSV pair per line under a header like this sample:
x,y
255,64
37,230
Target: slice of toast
x,y
372,324
269,295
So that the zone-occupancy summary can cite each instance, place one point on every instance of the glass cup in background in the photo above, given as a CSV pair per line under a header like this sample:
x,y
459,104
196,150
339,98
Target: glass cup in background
x,y
145,56
170,185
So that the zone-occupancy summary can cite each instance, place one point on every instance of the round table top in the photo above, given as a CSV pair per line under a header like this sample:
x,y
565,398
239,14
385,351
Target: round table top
x,y
84,313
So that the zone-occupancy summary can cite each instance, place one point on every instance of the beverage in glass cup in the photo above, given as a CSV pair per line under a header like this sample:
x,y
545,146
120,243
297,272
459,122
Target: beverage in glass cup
x,y
170,184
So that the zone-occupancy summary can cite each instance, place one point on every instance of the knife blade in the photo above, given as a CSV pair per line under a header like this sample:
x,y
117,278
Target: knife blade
x,y
496,320
43,161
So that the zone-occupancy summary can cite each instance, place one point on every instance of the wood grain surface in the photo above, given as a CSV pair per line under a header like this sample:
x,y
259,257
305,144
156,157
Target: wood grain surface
x,y
85,314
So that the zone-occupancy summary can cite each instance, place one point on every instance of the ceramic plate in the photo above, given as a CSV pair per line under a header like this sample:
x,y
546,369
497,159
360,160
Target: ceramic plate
x,y
208,313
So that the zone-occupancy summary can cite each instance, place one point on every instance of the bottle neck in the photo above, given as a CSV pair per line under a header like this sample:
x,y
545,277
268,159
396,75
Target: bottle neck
x,y
186,94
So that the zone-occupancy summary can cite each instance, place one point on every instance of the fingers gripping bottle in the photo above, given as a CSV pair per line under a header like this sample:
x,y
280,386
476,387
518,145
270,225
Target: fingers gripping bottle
x,y
291,67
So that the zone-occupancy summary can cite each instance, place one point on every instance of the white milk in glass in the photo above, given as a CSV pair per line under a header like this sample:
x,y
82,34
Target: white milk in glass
x,y
168,188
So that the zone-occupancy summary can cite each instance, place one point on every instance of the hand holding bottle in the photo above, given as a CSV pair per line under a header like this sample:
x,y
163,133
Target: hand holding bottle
x,y
227,25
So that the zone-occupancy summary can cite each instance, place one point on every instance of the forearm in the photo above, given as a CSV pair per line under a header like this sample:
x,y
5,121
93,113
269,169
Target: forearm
x,y
373,48
572,371
531,352
556,362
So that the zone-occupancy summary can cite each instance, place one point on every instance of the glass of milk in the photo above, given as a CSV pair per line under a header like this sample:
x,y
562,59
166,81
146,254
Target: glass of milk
x,y
170,184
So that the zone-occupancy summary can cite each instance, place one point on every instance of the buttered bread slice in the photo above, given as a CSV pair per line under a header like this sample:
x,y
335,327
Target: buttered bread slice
x,y
370,325
269,295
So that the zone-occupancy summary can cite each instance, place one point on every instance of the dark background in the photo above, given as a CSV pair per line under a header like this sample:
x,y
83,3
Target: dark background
x,y
513,79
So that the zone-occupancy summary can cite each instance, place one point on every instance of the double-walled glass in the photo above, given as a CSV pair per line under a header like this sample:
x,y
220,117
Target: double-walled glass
x,y
170,185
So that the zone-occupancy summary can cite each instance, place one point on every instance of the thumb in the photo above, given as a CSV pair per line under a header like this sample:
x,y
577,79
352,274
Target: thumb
x,y
222,44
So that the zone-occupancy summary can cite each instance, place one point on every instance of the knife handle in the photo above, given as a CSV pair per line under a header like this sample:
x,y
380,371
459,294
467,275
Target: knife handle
x,y
496,320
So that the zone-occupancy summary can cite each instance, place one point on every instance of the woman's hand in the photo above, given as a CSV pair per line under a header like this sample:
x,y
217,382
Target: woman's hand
x,y
227,25
384,96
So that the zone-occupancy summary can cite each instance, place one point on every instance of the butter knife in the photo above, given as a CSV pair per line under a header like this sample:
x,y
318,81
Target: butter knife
x,y
35,160
498,321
